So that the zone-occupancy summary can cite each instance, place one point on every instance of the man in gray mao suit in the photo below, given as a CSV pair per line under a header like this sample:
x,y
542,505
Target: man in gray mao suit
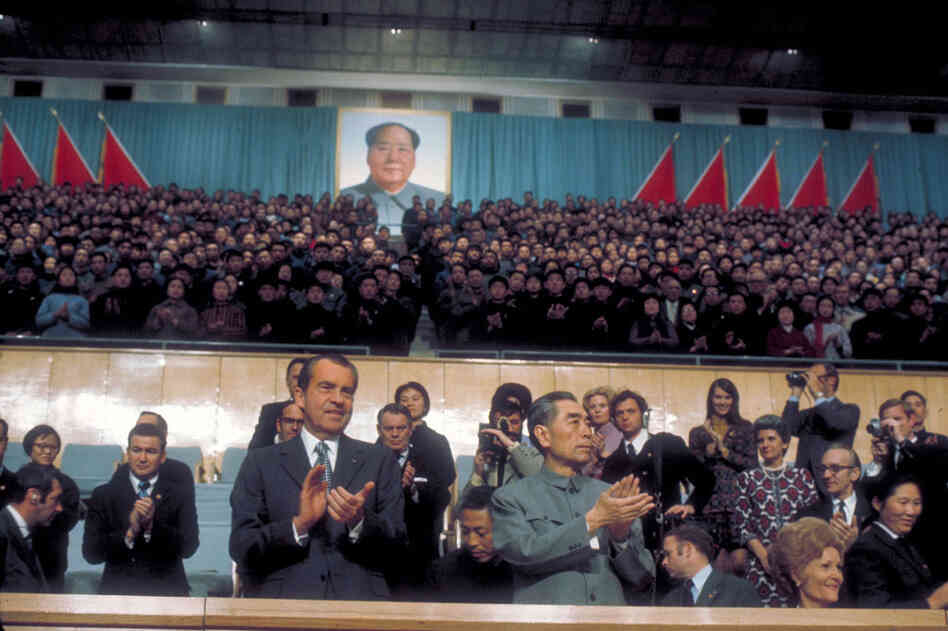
x,y
570,539
391,160
317,516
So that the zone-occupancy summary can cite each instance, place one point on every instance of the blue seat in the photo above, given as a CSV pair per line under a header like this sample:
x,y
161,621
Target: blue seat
x,y
465,467
90,465
190,456
230,463
15,457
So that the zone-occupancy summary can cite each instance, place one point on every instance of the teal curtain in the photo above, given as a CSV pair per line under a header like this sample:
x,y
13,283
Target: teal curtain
x,y
499,156
274,149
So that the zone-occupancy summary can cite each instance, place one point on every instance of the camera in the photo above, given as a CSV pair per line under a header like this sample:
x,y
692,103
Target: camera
x,y
875,429
488,443
796,379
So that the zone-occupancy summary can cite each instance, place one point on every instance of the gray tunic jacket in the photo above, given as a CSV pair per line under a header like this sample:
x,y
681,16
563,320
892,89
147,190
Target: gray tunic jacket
x,y
540,529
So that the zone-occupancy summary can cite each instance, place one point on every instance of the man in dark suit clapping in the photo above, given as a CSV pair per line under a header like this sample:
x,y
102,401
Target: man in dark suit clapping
x,y
318,515
142,523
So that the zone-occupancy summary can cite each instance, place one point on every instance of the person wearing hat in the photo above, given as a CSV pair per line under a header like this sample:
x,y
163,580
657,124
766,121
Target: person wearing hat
x,y
21,300
874,337
391,160
269,316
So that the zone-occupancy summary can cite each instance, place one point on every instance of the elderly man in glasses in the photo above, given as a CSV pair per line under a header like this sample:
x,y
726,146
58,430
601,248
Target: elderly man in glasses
x,y
844,507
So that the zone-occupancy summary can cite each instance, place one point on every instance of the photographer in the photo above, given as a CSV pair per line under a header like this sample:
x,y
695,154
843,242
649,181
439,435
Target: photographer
x,y
502,453
925,463
828,421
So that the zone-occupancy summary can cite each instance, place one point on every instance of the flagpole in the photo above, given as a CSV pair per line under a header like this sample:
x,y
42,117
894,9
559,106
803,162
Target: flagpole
x,y
105,138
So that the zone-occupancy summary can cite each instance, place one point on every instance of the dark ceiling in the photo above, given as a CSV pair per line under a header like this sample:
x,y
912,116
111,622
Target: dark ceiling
x,y
842,47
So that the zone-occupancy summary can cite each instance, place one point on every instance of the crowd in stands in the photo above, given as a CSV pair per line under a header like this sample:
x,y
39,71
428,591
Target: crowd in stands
x,y
572,501
579,273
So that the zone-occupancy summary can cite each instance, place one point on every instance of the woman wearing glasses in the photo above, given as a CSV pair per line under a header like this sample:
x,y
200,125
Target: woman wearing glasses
x,y
42,445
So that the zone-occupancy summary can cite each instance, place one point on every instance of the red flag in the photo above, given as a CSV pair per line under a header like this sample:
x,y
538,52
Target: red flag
x,y
864,191
68,163
117,166
711,187
660,183
14,162
812,189
764,189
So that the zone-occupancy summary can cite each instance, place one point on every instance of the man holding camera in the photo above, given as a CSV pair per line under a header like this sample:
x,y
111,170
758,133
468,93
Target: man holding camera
x,y
828,421
502,454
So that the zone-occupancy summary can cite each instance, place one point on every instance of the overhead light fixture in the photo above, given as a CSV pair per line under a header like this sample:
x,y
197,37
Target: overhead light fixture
x,y
593,40
203,23
396,31
793,51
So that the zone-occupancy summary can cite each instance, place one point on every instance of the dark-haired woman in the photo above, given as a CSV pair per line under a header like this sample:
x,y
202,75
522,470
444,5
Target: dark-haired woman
x,y
64,312
768,497
883,569
42,445
427,475
725,443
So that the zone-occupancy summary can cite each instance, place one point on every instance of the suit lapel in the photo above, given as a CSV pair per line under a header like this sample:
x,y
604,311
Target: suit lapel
x,y
294,460
23,550
898,548
349,461
710,590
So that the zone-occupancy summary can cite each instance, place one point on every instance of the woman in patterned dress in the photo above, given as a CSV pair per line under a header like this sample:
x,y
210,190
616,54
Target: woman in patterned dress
x,y
768,497
725,443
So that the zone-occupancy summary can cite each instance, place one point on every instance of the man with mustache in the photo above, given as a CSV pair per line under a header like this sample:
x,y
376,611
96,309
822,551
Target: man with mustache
x,y
571,539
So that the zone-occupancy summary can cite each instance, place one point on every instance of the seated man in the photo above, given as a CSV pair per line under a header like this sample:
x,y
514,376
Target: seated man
x,y
474,573
844,507
688,553
142,524
570,539
35,502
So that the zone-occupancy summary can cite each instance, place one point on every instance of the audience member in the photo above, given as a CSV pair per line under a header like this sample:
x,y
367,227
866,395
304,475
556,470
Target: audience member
x,y
51,541
688,551
474,573
264,434
63,312
346,518
767,497
173,318
142,524
590,547
34,504
827,338
597,403
828,421
662,464
7,477
884,570
425,498
725,444
844,506
807,563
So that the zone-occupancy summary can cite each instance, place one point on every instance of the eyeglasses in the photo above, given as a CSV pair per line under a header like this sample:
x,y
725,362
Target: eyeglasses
x,y
50,447
290,421
835,468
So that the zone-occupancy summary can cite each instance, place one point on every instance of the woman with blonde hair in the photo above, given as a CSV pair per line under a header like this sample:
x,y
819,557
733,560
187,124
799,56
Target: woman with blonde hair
x,y
806,561
597,402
